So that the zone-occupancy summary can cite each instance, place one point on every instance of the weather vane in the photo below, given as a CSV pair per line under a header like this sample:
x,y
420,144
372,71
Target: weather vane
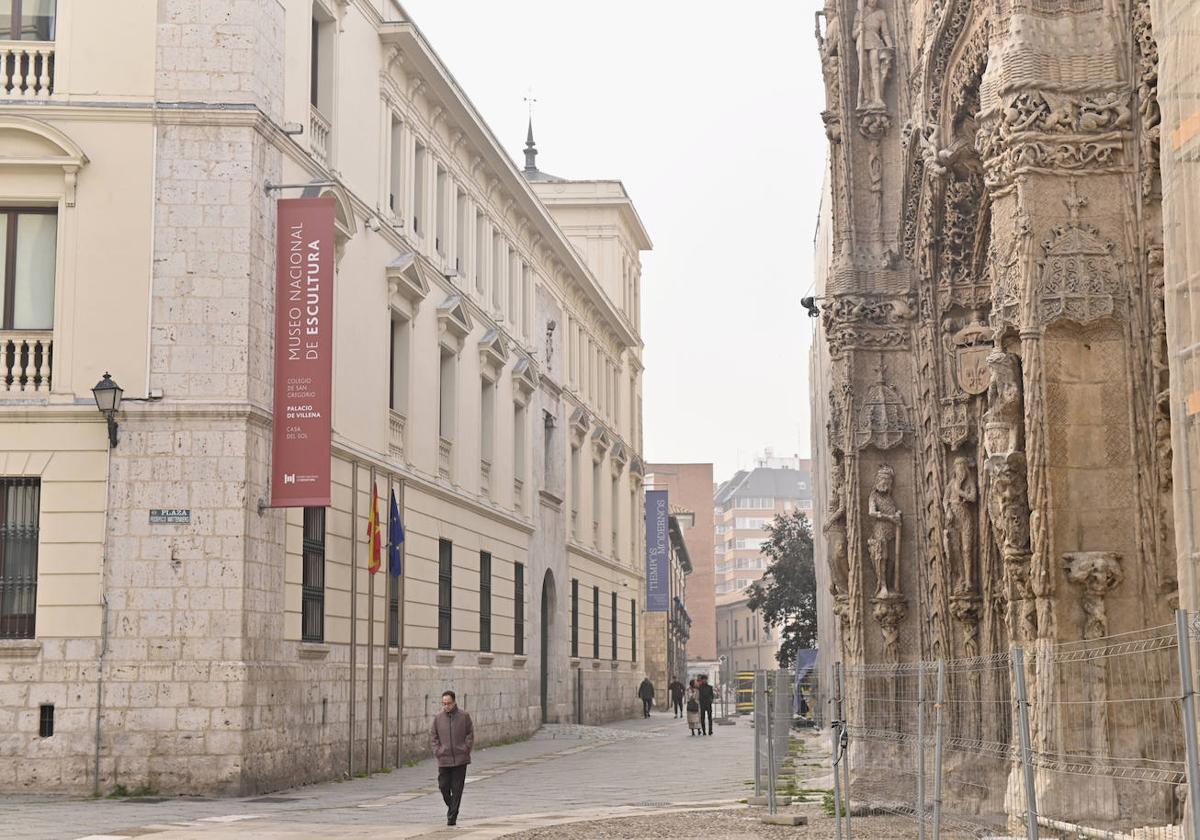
x,y
530,100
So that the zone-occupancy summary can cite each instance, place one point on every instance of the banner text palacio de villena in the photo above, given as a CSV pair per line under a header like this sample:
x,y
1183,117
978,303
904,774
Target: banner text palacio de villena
x,y
300,440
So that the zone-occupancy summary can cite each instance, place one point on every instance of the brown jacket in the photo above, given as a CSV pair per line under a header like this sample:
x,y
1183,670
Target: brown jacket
x,y
452,736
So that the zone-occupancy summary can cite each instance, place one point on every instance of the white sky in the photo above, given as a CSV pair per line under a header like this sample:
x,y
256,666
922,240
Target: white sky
x,y
710,114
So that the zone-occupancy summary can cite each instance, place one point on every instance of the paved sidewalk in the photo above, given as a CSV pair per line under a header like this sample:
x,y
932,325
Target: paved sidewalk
x,y
562,773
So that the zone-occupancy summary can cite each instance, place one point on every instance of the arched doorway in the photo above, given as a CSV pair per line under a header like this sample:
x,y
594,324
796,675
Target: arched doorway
x,y
547,618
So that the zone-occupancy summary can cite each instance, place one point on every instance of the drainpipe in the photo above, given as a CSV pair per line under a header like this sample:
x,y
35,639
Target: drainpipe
x,y
100,688
1082,830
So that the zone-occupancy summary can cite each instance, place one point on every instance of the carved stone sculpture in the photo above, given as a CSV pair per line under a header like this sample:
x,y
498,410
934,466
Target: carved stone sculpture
x,y
958,507
873,39
1005,415
835,534
883,546
1008,505
1097,573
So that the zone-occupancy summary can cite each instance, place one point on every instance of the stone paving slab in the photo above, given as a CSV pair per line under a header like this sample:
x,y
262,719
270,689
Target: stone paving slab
x,y
562,773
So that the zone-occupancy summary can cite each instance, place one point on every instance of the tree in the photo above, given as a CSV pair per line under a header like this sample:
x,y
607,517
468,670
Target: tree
x,y
786,597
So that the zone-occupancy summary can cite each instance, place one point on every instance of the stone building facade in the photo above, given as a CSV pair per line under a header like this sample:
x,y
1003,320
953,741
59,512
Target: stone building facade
x,y
486,369
997,456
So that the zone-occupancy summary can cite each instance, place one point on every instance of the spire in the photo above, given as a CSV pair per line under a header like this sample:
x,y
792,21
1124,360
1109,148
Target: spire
x,y
530,149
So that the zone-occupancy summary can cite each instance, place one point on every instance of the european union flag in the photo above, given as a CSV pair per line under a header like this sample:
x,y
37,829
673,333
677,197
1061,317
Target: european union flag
x,y
395,537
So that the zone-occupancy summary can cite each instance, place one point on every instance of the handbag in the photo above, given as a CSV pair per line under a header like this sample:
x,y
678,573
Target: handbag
x,y
693,706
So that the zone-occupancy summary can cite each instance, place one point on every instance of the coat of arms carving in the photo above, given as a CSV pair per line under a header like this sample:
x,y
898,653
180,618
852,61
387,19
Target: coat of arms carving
x,y
971,346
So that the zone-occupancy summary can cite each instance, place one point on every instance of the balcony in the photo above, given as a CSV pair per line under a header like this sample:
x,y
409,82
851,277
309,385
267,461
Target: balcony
x,y
26,362
318,134
445,448
26,69
396,424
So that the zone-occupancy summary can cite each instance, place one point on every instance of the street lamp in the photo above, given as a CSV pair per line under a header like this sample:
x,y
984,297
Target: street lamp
x,y
108,399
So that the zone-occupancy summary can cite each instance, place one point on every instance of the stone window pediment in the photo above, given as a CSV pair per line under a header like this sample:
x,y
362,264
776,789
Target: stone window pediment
x,y
601,441
409,281
493,354
30,143
581,422
525,380
454,324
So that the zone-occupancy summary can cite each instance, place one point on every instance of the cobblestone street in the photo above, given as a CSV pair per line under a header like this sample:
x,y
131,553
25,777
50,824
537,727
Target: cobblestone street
x,y
564,773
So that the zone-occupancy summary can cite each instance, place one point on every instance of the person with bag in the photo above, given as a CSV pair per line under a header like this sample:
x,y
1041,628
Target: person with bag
x,y
692,703
646,693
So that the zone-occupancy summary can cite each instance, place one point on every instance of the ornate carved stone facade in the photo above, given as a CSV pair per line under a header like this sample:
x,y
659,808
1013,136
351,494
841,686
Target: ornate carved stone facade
x,y
993,312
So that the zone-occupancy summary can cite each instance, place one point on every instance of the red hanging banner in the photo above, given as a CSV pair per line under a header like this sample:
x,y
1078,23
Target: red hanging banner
x,y
300,440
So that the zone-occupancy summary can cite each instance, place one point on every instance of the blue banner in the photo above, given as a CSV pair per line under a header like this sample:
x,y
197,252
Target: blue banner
x,y
658,557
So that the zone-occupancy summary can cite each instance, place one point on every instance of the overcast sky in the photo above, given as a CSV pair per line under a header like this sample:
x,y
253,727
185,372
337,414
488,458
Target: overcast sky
x,y
709,113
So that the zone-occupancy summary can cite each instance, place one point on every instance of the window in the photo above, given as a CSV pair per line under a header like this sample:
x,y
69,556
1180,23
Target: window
x,y
596,502
633,617
485,601
615,498
514,289
446,395
396,166
418,211
27,250
527,301
441,220
519,609
481,238
595,622
46,720
574,618
519,435
312,609
27,20
487,413
748,523
398,372
547,448
574,488
614,627
754,503
460,235
320,93
20,499
445,584
498,268
393,611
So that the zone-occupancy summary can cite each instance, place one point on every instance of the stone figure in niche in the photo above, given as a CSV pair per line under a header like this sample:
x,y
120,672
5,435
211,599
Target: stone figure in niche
x,y
958,505
1096,573
1008,505
829,43
883,546
873,38
1004,418
835,533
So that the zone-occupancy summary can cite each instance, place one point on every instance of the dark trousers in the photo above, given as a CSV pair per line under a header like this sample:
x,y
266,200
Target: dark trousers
x,y
706,714
677,705
646,701
450,782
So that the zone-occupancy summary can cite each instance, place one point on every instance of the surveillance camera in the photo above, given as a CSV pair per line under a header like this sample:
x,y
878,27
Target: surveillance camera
x,y
293,128
551,325
810,304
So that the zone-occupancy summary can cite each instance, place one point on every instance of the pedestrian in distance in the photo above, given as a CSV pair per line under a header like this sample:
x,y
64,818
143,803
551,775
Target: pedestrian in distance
x,y
646,692
692,699
452,736
676,690
706,696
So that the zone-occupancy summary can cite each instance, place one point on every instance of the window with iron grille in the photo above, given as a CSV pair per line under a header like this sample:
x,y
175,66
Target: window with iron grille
x,y
519,609
445,582
633,626
46,720
312,608
393,585
614,627
19,502
485,601
574,618
595,622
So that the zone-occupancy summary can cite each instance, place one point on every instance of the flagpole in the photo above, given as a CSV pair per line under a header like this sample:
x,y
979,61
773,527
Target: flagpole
x,y
400,617
387,631
371,618
353,604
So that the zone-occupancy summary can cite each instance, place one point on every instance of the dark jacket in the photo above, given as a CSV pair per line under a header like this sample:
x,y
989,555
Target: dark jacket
x,y
452,736
646,690
706,694
676,689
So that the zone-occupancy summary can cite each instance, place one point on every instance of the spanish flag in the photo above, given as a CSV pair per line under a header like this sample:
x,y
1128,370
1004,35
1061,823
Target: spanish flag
x,y
374,533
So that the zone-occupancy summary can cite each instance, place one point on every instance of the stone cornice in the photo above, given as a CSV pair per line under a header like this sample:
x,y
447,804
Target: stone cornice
x,y
609,563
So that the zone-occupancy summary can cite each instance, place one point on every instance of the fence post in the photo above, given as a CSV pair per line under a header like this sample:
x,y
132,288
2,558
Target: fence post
x,y
921,751
845,746
1188,685
939,722
835,726
770,710
758,726
1018,669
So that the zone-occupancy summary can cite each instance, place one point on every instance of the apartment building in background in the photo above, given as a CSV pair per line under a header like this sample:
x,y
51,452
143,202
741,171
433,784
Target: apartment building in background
x,y
159,621
742,507
691,486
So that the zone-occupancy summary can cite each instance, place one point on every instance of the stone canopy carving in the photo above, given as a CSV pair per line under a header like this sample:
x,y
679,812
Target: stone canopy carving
x,y
1079,278
883,417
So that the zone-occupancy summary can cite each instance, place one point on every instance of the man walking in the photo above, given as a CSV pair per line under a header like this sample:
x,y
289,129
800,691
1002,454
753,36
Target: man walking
x,y
676,690
646,692
706,705
452,736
